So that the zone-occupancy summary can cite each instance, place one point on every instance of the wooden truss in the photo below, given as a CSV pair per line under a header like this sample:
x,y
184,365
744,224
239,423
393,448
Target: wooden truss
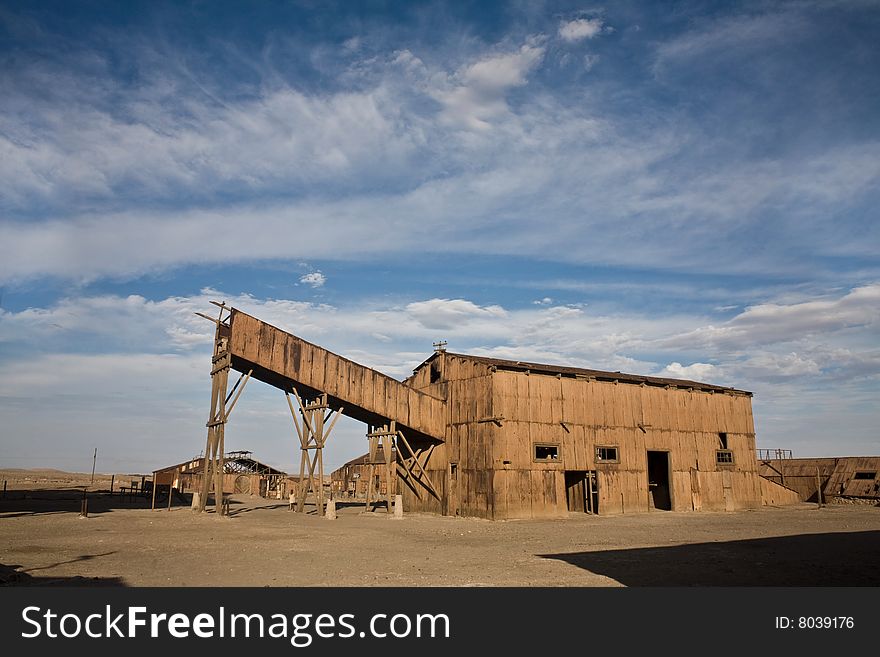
x,y
381,454
390,449
313,431
221,363
411,466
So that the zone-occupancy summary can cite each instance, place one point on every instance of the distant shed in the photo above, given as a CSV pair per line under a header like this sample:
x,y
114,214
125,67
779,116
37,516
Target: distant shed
x,y
242,474
351,479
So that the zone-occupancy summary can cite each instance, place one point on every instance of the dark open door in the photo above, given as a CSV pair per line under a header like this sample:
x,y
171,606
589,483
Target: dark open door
x,y
575,491
658,481
581,492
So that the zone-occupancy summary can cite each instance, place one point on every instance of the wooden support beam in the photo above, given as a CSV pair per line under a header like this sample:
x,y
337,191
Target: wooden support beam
x,y
213,467
312,430
234,401
210,319
415,459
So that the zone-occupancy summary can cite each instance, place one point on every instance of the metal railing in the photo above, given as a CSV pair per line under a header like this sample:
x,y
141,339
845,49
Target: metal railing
x,y
774,454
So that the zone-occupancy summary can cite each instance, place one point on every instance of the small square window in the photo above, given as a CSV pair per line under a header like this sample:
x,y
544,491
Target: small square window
x,y
546,452
723,456
607,455
453,471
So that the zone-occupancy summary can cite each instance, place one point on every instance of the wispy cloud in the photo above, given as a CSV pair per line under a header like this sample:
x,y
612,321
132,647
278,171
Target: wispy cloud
x,y
161,349
479,147
314,279
580,28
475,95
725,159
729,36
834,333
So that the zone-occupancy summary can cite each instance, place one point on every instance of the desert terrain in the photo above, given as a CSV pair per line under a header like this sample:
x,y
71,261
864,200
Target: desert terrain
x,y
44,541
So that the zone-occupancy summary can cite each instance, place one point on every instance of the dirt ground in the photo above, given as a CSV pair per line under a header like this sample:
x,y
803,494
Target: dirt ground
x,y
43,541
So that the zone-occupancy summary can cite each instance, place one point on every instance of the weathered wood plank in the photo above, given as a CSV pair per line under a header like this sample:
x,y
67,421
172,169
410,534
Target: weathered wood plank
x,y
363,391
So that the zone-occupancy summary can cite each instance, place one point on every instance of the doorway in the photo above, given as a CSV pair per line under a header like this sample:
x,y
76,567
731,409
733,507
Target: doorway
x,y
581,492
658,481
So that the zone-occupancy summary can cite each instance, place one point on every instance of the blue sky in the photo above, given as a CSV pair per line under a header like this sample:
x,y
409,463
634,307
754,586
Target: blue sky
x,y
684,189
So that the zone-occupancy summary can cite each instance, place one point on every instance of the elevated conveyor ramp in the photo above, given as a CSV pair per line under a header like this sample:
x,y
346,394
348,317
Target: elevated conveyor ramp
x,y
285,361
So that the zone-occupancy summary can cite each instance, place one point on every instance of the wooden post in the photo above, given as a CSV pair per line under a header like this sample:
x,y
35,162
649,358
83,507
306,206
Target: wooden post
x,y
818,489
222,404
589,491
112,480
170,493
398,507
387,442
382,438
153,505
318,425
313,432
369,489
94,462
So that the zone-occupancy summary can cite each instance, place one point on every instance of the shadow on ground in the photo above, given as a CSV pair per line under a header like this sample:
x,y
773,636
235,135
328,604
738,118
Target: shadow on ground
x,y
12,575
841,559
69,500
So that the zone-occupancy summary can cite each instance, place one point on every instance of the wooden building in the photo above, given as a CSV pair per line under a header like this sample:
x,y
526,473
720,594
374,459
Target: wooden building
x,y
840,478
242,474
532,440
475,436
350,480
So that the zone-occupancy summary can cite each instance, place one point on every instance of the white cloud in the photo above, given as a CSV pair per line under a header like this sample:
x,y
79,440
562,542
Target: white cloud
x,y
771,323
590,61
450,313
830,337
315,279
776,366
586,179
694,371
281,139
362,163
476,94
142,365
580,28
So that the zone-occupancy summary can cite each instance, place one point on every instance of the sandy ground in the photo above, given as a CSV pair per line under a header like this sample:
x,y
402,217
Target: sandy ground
x,y
43,541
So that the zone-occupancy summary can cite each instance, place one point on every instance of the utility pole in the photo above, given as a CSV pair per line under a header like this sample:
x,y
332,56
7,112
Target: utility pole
x,y
94,461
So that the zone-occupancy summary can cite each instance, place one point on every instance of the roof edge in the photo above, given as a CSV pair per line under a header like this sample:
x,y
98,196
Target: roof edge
x,y
578,372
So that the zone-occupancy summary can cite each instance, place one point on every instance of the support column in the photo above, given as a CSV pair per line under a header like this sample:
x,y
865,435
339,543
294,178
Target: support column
x,y
313,431
382,456
221,363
